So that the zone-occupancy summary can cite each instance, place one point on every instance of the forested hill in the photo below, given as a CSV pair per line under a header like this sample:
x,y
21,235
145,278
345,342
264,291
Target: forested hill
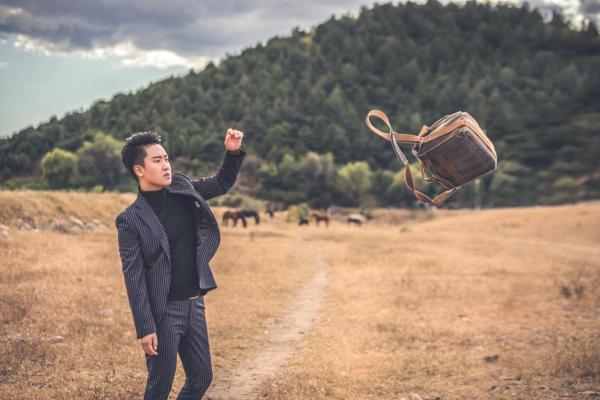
x,y
533,86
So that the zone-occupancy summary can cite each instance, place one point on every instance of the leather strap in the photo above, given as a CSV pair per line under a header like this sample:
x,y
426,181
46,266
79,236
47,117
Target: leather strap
x,y
402,137
394,137
406,137
437,201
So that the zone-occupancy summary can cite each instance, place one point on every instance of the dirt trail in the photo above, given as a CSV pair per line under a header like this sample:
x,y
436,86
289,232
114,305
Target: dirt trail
x,y
243,382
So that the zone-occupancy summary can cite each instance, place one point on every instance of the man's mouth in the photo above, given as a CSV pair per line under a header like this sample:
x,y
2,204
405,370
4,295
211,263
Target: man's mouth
x,y
167,175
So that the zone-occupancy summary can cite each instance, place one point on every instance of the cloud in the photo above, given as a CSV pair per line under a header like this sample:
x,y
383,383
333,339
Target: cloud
x,y
178,32
590,9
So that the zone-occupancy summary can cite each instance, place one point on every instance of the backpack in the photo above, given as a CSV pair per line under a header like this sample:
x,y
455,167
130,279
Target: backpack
x,y
454,150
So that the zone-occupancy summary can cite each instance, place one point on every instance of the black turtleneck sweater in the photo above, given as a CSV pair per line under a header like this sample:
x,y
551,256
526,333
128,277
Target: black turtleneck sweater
x,y
176,214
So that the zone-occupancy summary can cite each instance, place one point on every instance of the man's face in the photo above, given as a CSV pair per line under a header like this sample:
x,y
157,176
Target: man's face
x,y
156,171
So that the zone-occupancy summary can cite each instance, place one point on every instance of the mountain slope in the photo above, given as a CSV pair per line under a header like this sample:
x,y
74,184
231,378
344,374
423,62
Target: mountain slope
x,y
532,85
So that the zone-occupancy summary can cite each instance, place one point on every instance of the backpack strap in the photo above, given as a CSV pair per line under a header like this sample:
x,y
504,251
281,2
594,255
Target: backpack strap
x,y
402,137
423,137
394,137
437,201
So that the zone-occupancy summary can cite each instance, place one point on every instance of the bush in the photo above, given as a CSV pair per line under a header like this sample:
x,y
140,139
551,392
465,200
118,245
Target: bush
x,y
59,168
297,212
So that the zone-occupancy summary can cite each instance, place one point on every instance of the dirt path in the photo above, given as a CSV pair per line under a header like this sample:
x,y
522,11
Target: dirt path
x,y
243,382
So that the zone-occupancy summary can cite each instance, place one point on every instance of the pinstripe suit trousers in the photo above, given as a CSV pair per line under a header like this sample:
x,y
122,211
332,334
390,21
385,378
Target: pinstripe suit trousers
x,y
182,330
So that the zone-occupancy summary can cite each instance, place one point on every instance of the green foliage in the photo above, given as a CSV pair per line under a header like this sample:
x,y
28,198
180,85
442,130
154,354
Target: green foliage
x,y
533,86
297,212
354,182
99,162
59,168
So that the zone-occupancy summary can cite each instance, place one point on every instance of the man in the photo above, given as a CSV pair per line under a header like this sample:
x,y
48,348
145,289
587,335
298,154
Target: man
x,y
166,239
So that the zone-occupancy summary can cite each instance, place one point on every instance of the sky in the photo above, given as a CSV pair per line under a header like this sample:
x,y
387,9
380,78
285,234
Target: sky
x,y
63,55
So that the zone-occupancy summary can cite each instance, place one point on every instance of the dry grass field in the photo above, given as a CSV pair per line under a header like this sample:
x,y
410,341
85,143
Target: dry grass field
x,y
497,304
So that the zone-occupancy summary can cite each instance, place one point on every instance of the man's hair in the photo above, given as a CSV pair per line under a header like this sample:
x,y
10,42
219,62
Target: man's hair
x,y
134,150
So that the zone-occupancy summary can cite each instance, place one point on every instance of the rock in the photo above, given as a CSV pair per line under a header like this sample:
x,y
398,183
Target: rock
x,y
77,222
57,339
491,359
4,227
4,234
22,224
106,313
590,393
59,226
98,224
415,396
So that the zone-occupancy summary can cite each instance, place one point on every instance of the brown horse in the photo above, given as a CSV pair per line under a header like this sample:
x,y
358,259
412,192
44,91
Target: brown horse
x,y
320,217
234,216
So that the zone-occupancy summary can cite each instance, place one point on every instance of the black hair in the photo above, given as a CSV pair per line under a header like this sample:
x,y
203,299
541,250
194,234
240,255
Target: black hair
x,y
134,150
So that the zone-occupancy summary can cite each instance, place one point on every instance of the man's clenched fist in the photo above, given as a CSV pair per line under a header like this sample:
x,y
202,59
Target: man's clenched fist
x,y
233,139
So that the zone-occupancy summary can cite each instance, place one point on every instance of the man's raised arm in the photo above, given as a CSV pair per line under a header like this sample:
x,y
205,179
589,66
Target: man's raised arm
x,y
219,183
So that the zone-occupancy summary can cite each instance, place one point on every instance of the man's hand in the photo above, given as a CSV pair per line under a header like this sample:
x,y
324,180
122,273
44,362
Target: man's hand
x,y
150,344
233,139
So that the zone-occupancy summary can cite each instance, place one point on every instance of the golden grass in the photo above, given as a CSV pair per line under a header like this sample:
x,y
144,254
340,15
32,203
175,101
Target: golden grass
x,y
418,310
412,306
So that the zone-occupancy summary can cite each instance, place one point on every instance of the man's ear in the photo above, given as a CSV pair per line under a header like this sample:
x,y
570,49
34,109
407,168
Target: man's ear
x,y
139,171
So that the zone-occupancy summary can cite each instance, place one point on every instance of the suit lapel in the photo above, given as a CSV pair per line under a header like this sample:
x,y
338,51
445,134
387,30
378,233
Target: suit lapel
x,y
150,218
178,185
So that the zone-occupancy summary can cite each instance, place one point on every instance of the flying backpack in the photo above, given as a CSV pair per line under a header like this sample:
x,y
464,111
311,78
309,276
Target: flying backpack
x,y
454,150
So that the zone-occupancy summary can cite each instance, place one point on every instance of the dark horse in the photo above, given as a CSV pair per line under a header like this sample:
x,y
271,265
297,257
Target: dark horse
x,y
303,221
234,216
320,217
249,213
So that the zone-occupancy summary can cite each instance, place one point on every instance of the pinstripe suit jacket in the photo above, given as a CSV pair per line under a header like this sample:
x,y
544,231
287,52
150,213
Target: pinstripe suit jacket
x,y
144,246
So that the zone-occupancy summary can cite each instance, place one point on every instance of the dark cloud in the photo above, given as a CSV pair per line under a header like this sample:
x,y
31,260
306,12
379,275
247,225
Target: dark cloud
x,y
187,27
590,7
208,28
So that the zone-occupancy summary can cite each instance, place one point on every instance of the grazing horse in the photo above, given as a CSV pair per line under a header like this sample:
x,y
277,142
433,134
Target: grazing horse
x,y
320,217
303,221
355,219
270,213
234,216
249,213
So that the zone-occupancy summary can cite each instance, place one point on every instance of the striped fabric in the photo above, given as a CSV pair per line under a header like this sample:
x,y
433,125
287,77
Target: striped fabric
x,y
183,330
144,246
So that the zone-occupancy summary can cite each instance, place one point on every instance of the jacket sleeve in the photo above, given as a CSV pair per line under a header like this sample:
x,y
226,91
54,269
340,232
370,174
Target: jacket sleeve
x,y
223,180
135,281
